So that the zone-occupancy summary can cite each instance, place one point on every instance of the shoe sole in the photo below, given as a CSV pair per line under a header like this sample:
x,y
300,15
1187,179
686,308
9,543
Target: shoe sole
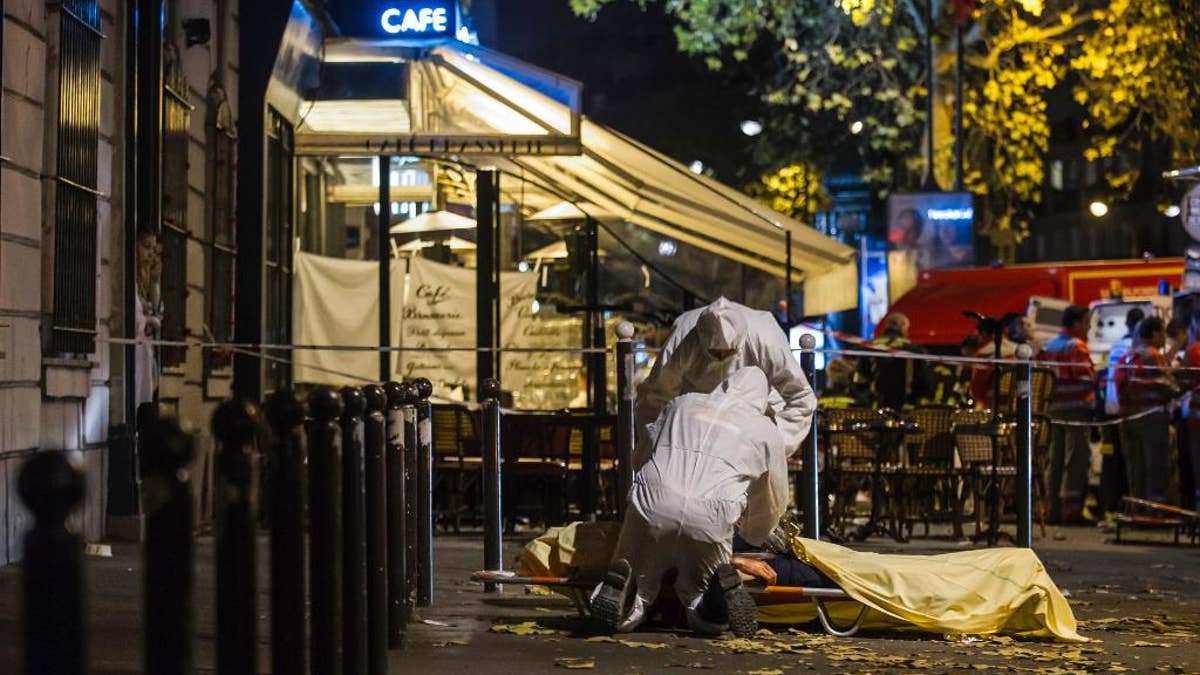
x,y
608,609
739,606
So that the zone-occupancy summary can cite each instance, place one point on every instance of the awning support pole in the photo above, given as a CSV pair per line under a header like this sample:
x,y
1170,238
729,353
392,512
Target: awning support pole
x,y
385,268
596,375
487,276
788,279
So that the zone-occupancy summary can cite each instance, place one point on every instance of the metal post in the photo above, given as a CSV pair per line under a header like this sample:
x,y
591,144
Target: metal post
x,y
424,493
493,533
787,284
598,389
234,425
52,573
487,274
325,531
959,141
354,532
397,586
411,526
286,459
375,439
810,475
169,566
1024,433
625,432
930,86
385,269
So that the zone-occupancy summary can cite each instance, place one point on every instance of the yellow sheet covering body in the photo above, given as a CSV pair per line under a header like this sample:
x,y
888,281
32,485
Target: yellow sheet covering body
x,y
1002,590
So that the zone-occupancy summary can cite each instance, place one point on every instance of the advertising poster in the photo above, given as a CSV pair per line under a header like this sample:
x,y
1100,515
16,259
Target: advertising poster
x,y
933,230
872,284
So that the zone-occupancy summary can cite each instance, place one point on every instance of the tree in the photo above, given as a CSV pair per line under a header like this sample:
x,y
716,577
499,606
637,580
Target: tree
x,y
794,190
831,63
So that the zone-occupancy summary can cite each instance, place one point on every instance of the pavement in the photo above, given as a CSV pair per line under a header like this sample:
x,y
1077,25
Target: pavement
x,y
1139,603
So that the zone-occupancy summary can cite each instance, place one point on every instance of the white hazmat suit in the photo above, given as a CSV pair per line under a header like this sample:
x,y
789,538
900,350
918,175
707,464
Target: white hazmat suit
x,y
716,462
686,365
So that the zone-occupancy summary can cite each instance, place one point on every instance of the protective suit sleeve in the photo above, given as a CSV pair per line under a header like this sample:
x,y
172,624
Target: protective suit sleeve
x,y
785,376
767,498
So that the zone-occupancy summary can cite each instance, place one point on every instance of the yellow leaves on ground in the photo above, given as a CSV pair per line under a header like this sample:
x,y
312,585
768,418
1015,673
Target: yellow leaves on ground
x,y
522,628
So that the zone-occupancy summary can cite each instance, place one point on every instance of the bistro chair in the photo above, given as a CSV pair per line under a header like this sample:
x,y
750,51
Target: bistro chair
x,y
852,440
457,462
976,453
535,467
930,478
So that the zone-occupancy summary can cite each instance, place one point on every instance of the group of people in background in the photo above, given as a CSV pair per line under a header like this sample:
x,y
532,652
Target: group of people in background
x,y
1127,407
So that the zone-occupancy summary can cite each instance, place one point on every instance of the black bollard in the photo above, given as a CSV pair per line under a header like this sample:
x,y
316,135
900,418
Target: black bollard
x,y
52,572
234,426
375,439
325,529
397,579
493,534
167,496
810,476
424,492
354,536
408,393
625,431
286,459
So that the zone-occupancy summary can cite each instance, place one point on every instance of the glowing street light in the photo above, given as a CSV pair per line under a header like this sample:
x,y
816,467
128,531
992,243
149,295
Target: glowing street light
x,y
1171,211
856,127
696,166
1098,208
751,127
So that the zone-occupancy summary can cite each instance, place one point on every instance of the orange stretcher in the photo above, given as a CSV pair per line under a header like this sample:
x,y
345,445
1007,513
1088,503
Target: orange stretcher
x,y
579,591
1146,514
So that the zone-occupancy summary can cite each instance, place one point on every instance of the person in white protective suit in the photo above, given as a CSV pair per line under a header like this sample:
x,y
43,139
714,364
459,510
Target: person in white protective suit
x,y
709,343
716,462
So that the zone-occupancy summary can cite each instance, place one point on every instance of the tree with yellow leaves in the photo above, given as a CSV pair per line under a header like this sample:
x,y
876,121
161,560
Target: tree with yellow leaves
x,y
1130,65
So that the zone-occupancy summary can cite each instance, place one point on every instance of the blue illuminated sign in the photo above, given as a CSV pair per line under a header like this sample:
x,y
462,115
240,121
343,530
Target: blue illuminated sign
x,y
420,19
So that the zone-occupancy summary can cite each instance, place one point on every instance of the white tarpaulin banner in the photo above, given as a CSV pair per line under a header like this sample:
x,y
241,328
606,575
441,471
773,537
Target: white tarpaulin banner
x,y
336,303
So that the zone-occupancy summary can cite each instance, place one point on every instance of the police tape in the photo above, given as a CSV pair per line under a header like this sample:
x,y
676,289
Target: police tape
x,y
250,346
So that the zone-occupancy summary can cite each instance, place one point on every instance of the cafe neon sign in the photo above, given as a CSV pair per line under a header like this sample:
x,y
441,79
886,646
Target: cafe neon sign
x,y
429,19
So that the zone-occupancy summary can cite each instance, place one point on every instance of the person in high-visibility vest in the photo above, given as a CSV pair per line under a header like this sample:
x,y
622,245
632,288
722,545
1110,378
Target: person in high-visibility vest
x,y
1074,399
1146,390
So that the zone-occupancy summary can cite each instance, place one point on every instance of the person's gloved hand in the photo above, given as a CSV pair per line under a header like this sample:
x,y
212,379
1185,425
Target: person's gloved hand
x,y
755,569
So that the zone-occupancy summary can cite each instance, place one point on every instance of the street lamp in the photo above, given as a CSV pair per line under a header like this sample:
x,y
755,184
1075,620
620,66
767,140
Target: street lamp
x,y
751,127
696,166
856,127
1098,208
1171,211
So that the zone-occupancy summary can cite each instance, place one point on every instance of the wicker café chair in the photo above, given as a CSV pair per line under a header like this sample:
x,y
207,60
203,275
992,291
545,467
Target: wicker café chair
x,y
850,456
975,452
930,478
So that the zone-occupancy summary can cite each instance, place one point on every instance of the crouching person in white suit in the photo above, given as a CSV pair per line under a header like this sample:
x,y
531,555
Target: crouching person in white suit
x,y
715,462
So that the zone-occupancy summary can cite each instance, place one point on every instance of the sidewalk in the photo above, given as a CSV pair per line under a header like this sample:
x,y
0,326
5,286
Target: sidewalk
x,y
1141,604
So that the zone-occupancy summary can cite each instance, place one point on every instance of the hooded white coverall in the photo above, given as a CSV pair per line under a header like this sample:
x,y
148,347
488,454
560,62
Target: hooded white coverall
x,y
685,365
717,461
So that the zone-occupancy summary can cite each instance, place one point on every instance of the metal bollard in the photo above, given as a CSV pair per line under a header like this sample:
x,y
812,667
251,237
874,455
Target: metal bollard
x,y
52,573
167,495
625,432
424,500
354,535
1024,433
325,529
286,459
810,476
234,426
397,581
375,440
493,532
411,526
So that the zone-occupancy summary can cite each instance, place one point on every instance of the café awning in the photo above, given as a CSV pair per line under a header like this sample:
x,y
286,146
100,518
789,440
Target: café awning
x,y
482,108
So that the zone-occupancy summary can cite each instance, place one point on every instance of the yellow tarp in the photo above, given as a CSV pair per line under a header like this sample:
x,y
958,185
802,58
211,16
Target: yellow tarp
x,y
1002,590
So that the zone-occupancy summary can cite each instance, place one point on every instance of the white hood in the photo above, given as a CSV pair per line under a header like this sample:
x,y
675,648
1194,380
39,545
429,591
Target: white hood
x,y
748,385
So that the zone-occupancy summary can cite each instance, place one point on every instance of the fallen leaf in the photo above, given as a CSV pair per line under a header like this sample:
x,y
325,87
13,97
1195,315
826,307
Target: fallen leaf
x,y
574,663
765,671
523,628
451,643
1143,643
645,645
695,665
600,638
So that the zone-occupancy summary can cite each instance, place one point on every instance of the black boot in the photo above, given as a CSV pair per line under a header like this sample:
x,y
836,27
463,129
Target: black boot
x,y
611,603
